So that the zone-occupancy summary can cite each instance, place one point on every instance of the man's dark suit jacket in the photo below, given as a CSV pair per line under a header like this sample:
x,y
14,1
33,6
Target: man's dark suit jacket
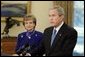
x,y
63,44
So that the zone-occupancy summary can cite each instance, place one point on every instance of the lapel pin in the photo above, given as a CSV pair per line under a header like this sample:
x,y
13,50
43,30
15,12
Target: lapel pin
x,y
59,34
21,36
36,35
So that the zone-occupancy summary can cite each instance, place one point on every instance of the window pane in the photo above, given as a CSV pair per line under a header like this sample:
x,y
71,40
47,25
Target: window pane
x,y
78,24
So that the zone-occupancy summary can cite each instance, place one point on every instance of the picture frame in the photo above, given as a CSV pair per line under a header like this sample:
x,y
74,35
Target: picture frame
x,y
15,9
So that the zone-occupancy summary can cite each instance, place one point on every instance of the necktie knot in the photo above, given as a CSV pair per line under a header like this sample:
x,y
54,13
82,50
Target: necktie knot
x,y
54,31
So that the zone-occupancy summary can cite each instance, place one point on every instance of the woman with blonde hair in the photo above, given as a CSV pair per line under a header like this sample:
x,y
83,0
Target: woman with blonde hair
x,y
31,37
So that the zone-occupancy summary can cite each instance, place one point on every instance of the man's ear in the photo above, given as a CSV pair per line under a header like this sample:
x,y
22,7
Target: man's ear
x,y
62,16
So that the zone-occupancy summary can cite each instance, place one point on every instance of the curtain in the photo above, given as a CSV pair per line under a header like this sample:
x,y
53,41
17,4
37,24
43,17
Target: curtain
x,y
68,8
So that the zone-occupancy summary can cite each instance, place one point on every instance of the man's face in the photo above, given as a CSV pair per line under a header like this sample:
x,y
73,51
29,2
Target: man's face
x,y
55,18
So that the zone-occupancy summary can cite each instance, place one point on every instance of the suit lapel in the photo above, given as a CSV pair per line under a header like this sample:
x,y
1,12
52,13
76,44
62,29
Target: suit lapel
x,y
59,35
49,37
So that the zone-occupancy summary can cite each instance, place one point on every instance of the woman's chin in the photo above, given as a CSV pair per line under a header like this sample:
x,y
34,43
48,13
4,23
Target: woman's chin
x,y
29,29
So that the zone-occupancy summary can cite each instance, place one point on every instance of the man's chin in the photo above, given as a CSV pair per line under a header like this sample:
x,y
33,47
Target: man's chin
x,y
53,25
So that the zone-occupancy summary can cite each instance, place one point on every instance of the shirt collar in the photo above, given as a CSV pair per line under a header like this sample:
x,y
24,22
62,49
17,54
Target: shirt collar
x,y
57,28
29,32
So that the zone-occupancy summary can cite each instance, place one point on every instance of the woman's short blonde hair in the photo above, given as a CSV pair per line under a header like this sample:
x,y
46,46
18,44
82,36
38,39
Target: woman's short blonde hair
x,y
29,17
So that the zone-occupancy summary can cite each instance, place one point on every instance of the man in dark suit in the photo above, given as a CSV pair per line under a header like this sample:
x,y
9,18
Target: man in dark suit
x,y
59,39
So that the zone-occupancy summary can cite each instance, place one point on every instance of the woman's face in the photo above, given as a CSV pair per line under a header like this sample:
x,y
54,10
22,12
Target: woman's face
x,y
29,25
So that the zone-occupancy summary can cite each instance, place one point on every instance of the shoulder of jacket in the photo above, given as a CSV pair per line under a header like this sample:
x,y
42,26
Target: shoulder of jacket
x,y
71,29
22,33
38,32
49,28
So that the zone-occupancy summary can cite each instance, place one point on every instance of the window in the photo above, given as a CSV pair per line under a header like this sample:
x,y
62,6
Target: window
x,y
78,24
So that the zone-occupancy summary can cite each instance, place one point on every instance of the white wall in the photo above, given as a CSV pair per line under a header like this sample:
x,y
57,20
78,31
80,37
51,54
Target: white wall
x,y
40,9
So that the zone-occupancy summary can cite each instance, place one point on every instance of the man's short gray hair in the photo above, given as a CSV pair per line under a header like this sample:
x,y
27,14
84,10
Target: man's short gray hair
x,y
59,9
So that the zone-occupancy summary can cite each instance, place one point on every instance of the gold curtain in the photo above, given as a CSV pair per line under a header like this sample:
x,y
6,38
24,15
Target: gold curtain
x,y
68,8
29,7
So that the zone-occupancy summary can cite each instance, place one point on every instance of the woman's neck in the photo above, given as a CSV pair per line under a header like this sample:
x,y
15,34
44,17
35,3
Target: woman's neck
x,y
30,30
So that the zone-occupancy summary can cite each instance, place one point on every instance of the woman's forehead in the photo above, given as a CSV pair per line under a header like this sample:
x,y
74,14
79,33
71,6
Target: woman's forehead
x,y
28,19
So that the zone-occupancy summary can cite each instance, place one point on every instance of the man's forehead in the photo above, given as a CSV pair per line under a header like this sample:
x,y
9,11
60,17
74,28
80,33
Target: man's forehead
x,y
53,11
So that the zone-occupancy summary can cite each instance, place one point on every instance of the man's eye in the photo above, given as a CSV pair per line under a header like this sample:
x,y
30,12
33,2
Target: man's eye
x,y
53,15
49,15
30,22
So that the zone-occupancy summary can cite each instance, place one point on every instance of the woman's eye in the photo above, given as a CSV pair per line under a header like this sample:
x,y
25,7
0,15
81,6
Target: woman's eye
x,y
30,22
26,23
